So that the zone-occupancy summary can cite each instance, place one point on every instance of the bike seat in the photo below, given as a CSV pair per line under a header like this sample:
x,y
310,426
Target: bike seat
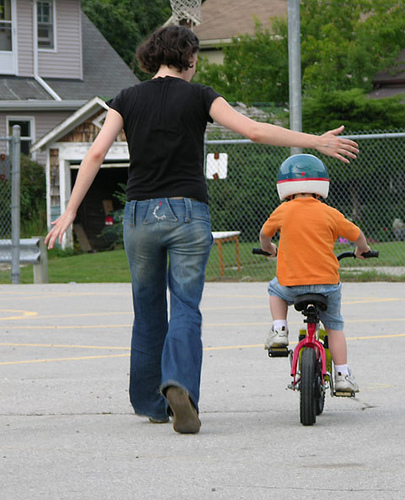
x,y
317,299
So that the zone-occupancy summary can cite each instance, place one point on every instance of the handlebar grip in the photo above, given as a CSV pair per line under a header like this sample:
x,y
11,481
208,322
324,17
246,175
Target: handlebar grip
x,y
367,255
259,251
370,254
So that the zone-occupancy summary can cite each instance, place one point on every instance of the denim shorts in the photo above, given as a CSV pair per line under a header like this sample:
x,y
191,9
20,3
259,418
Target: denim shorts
x,y
331,318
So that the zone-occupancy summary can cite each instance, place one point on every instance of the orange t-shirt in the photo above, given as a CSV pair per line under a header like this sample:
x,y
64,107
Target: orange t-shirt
x,y
308,231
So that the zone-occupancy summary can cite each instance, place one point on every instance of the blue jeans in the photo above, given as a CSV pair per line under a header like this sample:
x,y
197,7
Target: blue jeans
x,y
332,317
167,242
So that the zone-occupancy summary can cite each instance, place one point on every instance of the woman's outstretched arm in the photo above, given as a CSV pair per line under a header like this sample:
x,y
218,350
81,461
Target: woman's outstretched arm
x,y
329,143
88,170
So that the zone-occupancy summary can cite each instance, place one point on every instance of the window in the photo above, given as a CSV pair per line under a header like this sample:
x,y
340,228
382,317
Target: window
x,y
5,25
27,132
45,25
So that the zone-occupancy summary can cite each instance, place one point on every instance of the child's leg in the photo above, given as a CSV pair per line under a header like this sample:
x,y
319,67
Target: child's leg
x,y
344,380
278,308
337,346
278,335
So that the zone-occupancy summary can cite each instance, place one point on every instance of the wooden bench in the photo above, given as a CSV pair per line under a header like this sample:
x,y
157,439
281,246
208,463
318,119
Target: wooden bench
x,y
223,237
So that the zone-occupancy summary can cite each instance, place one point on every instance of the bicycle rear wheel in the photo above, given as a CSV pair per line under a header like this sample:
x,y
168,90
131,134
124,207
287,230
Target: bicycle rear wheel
x,y
308,399
319,390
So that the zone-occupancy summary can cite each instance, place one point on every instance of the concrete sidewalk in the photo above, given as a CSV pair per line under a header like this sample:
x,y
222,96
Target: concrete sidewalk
x,y
68,431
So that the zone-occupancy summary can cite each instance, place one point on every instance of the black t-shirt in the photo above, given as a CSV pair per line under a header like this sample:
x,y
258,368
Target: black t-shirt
x,y
164,123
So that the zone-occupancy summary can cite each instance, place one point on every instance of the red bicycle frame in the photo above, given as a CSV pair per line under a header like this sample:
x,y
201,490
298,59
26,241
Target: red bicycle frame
x,y
312,343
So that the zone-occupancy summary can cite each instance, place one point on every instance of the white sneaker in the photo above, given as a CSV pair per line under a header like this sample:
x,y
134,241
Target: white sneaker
x,y
345,383
277,338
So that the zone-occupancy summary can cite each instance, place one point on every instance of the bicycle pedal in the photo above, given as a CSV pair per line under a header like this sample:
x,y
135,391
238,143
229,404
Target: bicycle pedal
x,y
344,394
278,352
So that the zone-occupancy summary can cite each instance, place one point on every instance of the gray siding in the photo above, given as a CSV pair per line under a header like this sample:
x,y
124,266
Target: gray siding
x,y
66,61
44,122
25,38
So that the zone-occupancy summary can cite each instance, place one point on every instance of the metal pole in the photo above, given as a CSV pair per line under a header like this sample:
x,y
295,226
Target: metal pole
x,y
294,66
15,204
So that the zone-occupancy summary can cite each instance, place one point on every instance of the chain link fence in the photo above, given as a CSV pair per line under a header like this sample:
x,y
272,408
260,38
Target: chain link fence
x,y
10,171
5,188
241,178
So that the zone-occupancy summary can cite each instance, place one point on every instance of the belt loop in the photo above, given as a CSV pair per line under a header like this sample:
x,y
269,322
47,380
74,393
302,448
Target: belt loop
x,y
189,207
133,212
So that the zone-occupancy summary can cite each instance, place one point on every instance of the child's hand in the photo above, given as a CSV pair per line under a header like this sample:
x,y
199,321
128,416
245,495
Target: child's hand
x,y
271,249
359,251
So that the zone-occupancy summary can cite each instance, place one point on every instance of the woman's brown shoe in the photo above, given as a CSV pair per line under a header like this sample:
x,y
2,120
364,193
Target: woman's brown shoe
x,y
185,416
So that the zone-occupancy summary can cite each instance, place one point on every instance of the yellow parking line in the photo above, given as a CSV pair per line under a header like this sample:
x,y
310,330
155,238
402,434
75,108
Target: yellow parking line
x,y
64,346
30,315
65,327
63,359
205,325
22,314
81,358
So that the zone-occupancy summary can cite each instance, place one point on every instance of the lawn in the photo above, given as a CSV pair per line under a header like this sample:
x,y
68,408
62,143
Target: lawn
x,y
107,267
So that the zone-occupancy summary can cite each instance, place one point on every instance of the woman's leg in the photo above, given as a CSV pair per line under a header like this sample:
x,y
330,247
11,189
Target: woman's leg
x,y
148,265
189,249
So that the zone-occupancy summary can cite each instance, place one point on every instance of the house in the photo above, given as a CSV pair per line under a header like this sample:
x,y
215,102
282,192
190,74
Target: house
x,y
222,20
53,61
65,146
390,82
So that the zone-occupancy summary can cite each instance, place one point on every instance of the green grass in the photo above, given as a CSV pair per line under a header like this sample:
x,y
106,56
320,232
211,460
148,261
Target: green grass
x,y
103,267
258,268
109,267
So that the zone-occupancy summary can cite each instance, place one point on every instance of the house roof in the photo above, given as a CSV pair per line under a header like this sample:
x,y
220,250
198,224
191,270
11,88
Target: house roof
x,y
13,88
391,81
98,55
81,115
224,19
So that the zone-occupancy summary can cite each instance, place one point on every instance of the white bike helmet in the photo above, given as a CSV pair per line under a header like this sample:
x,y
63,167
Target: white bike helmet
x,y
302,174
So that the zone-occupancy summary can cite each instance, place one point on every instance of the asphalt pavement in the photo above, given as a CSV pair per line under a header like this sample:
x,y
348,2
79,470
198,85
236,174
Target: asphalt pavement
x,y
67,430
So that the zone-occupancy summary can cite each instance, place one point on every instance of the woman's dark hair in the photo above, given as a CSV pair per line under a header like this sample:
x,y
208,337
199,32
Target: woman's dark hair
x,y
172,46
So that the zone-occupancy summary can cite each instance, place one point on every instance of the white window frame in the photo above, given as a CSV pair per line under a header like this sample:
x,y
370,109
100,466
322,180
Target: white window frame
x,y
31,121
9,59
53,4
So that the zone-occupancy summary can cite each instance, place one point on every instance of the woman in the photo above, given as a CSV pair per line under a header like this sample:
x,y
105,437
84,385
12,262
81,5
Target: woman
x,y
167,231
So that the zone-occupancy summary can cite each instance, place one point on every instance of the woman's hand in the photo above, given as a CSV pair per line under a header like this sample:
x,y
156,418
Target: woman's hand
x,y
337,147
60,226
87,172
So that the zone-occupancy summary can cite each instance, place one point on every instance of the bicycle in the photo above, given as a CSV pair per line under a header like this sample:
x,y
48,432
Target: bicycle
x,y
310,361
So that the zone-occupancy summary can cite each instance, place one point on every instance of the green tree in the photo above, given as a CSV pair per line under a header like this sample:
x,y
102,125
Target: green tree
x,y
328,110
255,69
33,198
343,44
126,23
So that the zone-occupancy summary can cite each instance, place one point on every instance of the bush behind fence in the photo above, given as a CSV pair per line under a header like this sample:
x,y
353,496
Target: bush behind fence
x,y
369,191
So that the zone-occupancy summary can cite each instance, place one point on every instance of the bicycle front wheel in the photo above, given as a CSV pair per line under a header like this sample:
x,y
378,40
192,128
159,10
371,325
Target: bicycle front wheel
x,y
308,397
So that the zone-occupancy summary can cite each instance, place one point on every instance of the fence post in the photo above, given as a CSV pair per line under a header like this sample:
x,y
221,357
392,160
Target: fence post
x,y
294,65
15,204
41,274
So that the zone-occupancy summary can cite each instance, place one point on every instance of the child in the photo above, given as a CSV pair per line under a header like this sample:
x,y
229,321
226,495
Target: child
x,y
306,262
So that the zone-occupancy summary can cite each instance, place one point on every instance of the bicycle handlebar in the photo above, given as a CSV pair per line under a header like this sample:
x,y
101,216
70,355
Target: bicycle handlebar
x,y
367,255
259,251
